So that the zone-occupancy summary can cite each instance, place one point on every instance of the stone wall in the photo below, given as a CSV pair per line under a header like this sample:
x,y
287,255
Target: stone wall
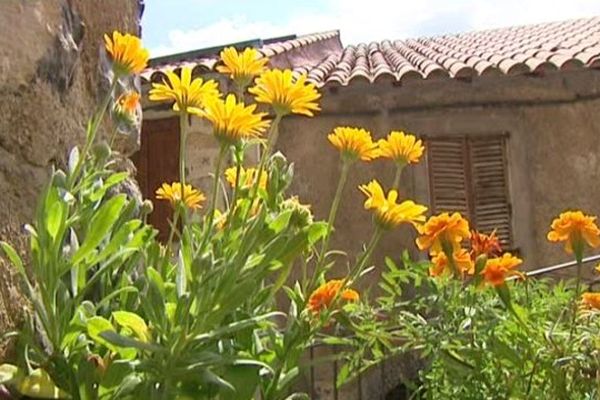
x,y
49,54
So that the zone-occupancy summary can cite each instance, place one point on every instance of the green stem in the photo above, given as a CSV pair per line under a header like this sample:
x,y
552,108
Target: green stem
x,y
333,210
215,191
91,134
367,254
236,187
271,141
578,257
399,168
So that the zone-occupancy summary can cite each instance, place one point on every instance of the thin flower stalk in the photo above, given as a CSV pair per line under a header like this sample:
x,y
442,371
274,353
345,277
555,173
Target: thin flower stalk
x,y
362,263
271,140
333,211
215,191
92,131
397,176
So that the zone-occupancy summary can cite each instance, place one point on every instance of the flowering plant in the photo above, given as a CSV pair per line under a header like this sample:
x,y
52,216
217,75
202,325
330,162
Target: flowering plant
x,y
213,312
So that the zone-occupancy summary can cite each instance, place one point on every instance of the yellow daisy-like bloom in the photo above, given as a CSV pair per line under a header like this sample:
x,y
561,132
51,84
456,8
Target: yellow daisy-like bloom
x,y
388,213
462,262
591,300
401,147
127,53
497,269
187,94
443,229
233,120
242,67
574,228
285,94
323,297
247,177
192,198
354,143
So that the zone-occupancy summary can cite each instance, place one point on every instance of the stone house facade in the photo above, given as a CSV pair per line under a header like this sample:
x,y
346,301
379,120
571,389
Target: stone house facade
x,y
509,118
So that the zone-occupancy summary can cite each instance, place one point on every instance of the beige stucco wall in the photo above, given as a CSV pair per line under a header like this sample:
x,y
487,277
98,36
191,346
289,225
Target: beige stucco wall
x,y
49,52
553,146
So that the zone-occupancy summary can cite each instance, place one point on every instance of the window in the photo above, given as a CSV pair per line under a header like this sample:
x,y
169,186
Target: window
x,y
468,174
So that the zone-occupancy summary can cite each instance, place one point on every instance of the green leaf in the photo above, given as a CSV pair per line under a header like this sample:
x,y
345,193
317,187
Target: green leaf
x,y
40,385
100,225
98,325
112,180
73,159
134,322
281,221
54,219
316,231
235,326
117,340
14,258
9,373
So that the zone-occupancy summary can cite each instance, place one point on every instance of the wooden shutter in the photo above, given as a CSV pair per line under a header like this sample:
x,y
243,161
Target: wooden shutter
x,y
468,174
491,207
447,165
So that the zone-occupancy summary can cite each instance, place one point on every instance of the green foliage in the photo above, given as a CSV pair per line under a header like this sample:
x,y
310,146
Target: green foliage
x,y
479,343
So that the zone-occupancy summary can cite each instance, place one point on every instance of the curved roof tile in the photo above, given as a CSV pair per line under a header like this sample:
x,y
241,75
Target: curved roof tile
x,y
538,48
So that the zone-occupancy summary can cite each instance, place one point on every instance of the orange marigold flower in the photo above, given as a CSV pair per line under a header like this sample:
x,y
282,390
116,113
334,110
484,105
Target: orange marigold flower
x,y
242,66
591,300
497,269
325,294
462,262
574,228
127,53
126,107
401,147
443,230
485,244
354,143
285,93
192,198
388,213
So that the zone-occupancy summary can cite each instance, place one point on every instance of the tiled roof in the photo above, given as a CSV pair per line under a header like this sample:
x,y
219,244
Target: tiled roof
x,y
290,52
539,48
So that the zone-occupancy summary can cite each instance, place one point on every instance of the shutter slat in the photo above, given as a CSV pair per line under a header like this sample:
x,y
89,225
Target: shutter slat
x,y
468,175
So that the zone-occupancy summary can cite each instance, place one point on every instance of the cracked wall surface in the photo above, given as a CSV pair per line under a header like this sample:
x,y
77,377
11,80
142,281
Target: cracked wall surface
x,y
49,79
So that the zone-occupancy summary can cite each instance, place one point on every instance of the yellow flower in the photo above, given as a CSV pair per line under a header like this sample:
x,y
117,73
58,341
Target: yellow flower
x,y
192,198
401,147
462,261
242,67
187,94
388,213
591,300
325,294
129,57
574,228
233,120
285,94
443,229
497,269
354,143
247,177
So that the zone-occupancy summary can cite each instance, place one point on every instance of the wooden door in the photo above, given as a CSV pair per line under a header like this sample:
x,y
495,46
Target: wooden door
x,y
157,161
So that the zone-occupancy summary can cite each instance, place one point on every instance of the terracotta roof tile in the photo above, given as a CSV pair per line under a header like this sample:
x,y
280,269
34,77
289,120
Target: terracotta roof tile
x,y
538,48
